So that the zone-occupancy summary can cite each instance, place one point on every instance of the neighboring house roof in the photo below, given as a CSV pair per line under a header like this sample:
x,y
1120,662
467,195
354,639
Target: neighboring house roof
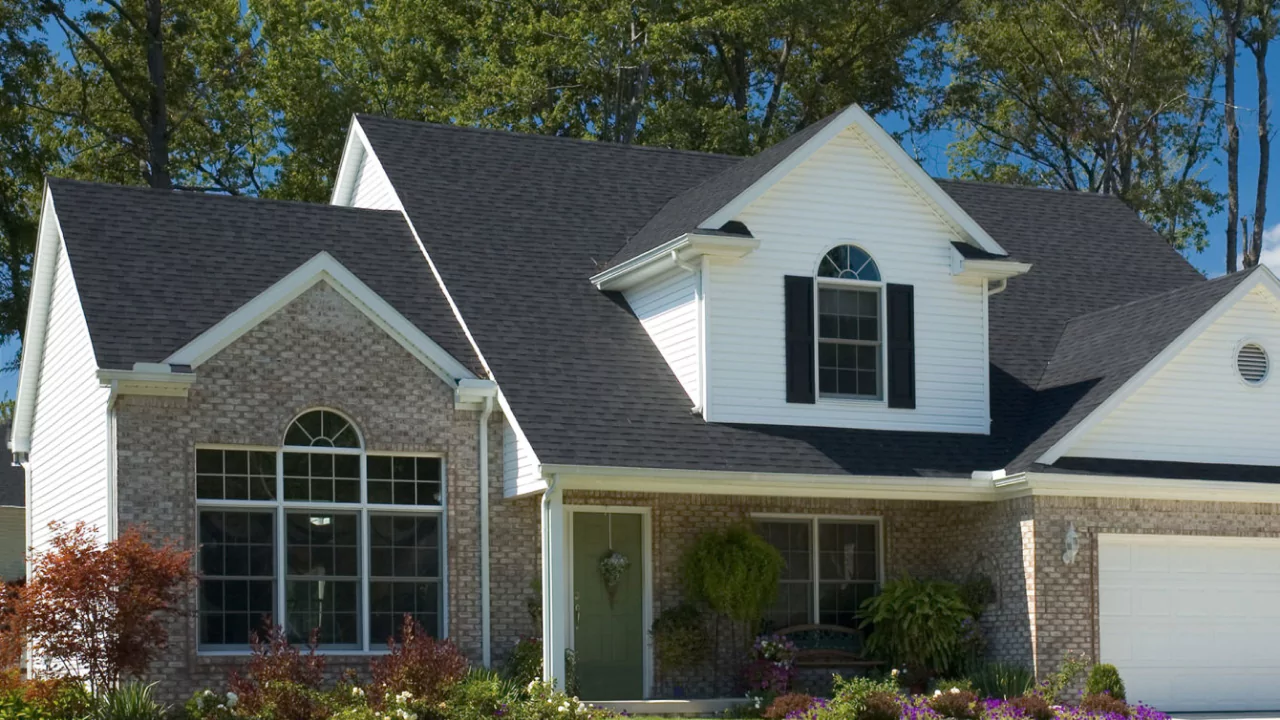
x,y
516,224
13,479
155,268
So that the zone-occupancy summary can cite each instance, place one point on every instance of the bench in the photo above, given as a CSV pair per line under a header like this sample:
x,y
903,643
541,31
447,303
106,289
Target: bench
x,y
827,646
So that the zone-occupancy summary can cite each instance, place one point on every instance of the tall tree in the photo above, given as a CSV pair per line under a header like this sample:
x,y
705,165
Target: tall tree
x,y
1105,96
24,65
718,75
1229,17
159,92
1258,30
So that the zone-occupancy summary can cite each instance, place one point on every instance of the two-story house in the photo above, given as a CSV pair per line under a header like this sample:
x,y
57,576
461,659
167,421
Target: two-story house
x,y
496,358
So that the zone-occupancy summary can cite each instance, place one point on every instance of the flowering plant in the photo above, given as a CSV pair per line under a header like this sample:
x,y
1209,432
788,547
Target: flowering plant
x,y
612,566
772,667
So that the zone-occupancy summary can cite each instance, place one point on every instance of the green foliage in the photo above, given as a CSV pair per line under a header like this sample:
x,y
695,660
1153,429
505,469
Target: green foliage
x,y
42,699
734,571
956,703
849,695
946,685
524,664
130,701
1002,680
1055,683
1103,96
680,637
1104,679
916,623
481,695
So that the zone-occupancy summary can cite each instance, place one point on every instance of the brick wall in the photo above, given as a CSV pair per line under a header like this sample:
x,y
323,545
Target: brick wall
x,y
317,351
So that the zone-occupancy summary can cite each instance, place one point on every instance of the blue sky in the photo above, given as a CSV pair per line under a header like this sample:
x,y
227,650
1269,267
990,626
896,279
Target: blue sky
x,y
931,150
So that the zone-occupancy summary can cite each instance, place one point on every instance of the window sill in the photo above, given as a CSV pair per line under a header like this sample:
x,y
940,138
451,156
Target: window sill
x,y
850,400
234,654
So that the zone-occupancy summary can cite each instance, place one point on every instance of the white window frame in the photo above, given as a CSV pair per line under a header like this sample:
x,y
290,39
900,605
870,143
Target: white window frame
x,y
362,509
814,521
882,374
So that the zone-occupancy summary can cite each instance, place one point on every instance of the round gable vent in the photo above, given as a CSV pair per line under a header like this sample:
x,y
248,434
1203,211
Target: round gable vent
x,y
1252,363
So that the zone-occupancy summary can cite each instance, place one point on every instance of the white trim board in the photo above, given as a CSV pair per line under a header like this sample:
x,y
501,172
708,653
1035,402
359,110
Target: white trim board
x,y
323,267
885,146
1263,277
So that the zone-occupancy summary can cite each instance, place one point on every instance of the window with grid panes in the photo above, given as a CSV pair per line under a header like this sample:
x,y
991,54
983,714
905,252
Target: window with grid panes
x,y
320,533
826,586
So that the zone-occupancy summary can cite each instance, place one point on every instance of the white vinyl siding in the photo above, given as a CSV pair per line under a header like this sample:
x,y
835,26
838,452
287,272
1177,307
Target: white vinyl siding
x,y
373,188
845,193
1197,408
69,434
519,464
13,542
667,307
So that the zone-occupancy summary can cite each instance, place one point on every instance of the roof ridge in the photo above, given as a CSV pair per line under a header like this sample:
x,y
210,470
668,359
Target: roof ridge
x,y
1035,188
144,189
538,136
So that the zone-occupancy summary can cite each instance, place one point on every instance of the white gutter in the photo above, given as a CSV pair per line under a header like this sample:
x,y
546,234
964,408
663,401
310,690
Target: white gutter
x,y
681,250
113,513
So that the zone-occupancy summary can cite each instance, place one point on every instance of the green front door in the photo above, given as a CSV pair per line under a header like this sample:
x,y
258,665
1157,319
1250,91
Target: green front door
x,y
609,622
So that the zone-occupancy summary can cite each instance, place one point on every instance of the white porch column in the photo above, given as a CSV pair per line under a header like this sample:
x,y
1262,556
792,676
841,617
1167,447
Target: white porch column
x,y
555,591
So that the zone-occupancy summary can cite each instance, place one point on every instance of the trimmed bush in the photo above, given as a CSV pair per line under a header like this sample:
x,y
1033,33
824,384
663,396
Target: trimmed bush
x,y
419,665
849,696
1105,704
955,703
1104,679
1034,707
784,705
881,705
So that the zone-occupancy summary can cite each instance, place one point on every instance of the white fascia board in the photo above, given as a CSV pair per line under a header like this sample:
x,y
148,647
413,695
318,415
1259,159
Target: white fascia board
x,y
323,267
1262,277
353,151
44,264
470,394
683,250
886,147
989,269
1050,484
703,482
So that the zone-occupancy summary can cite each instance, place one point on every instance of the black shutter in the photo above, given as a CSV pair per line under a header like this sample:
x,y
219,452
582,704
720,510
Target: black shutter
x,y
799,318
902,346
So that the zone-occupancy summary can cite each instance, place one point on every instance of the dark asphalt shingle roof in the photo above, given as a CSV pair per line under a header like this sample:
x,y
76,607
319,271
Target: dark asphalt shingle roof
x,y
587,383
155,268
517,224
13,479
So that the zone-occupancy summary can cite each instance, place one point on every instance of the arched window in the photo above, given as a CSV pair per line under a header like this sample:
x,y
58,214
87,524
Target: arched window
x,y
850,329
849,262
321,533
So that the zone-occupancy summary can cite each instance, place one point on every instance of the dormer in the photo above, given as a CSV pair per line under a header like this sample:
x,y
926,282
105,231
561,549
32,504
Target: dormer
x,y
827,282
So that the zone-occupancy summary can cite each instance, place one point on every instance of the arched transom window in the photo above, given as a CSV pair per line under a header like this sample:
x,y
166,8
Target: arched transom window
x,y
320,532
850,331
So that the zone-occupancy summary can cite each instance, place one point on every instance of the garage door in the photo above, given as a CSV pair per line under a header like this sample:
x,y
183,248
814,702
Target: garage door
x,y
1193,623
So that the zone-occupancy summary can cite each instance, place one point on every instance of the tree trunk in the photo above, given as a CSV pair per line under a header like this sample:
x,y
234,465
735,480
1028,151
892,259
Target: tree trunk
x,y
1253,255
157,103
1231,25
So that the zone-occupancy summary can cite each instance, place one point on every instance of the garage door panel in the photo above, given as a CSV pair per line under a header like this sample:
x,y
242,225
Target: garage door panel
x,y
1193,623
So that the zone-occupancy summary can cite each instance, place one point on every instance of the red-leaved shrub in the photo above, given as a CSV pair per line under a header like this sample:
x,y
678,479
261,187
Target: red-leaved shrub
x,y
959,704
280,681
784,705
880,705
1034,707
94,610
12,637
419,665
1105,704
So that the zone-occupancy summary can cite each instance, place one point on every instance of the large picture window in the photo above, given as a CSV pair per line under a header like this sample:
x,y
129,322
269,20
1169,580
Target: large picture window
x,y
320,536
830,567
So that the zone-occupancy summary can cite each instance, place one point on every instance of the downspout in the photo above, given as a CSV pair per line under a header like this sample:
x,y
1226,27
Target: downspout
x,y
112,511
484,529
547,576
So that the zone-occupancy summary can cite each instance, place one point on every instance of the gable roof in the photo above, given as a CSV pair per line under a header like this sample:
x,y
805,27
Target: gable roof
x,y
540,215
701,204
156,268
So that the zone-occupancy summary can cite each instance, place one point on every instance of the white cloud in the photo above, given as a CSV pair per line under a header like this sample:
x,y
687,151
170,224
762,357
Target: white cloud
x,y
1271,247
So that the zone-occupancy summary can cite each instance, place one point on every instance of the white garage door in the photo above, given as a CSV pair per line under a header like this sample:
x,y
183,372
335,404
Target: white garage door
x,y
1193,623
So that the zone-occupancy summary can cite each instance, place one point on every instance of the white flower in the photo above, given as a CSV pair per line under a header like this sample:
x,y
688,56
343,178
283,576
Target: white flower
x,y
936,693
955,691
405,696
564,707
356,691
232,699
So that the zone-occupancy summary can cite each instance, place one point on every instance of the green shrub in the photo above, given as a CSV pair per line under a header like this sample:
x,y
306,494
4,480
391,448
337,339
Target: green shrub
x,y
916,623
680,638
734,571
482,695
881,705
849,695
955,703
1034,707
945,685
1104,679
540,701
524,665
130,701
1053,685
1002,680
1104,704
